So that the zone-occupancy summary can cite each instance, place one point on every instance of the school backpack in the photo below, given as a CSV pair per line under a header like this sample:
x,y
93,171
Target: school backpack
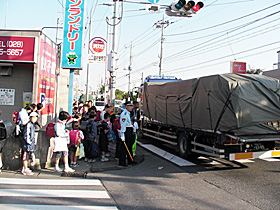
x,y
98,117
95,151
74,137
15,117
50,130
89,128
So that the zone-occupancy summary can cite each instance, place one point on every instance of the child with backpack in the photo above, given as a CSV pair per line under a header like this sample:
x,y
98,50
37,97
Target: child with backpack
x,y
60,142
103,140
91,134
28,144
76,136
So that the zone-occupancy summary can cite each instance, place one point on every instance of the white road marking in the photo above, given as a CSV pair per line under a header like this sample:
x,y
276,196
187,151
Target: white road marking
x,y
271,159
48,207
55,193
245,161
209,161
56,182
166,155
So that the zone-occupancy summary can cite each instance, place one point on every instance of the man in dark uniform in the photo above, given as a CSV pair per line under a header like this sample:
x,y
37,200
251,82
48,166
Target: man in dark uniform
x,y
127,131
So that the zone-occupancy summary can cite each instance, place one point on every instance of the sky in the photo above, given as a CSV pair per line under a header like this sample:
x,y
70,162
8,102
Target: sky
x,y
222,31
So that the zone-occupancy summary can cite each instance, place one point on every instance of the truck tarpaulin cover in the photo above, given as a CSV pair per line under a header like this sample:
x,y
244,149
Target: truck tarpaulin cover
x,y
241,104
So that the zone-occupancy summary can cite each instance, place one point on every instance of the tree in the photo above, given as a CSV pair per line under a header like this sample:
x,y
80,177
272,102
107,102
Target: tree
x,y
83,97
119,94
254,70
102,89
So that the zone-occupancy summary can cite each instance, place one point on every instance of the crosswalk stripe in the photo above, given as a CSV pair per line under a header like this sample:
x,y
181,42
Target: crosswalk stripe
x,y
166,155
48,207
56,182
55,193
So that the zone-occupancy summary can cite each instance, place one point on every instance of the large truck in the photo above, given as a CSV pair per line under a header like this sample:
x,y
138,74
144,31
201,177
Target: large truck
x,y
231,116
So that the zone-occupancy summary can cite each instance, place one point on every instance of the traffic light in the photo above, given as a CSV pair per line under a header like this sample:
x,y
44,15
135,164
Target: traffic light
x,y
181,8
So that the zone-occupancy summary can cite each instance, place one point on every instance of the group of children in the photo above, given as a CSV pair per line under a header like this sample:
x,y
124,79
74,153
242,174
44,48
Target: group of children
x,y
87,139
69,137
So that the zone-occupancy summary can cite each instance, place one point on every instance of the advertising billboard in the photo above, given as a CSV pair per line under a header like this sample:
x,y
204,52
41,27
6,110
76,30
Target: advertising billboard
x,y
17,49
73,34
46,76
238,67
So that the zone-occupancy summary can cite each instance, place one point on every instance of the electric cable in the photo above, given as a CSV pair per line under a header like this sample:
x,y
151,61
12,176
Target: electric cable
x,y
224,23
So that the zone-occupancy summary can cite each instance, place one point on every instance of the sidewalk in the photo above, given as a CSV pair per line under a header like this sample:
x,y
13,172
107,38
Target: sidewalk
x,y
83,169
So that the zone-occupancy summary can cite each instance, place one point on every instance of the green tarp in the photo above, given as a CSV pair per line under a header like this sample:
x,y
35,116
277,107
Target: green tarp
x,y
235,103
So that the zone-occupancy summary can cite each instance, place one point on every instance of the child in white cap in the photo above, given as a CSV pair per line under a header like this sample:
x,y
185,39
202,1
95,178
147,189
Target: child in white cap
x,y
28,144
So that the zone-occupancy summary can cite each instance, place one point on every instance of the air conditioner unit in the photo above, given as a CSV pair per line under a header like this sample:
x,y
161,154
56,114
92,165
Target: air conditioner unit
x,y
6,69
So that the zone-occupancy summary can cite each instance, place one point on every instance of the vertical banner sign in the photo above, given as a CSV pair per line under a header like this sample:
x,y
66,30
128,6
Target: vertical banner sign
x,y
73,34
238,67
46,80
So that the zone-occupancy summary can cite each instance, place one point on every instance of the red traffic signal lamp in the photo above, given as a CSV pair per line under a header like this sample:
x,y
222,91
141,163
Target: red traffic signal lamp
x,y
181,8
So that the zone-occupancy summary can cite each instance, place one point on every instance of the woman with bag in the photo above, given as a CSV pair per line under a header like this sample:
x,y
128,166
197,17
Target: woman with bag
x,y
61,140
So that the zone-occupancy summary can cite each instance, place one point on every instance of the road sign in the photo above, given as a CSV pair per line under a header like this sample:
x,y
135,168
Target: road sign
x,y
97,45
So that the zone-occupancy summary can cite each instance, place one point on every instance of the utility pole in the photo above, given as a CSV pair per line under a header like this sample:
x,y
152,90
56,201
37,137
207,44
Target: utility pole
x,y
129,70
114,53
161,24
6,14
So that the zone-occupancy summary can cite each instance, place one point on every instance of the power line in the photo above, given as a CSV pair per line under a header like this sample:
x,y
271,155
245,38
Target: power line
x,y
202,50
215,38
189,66
224,23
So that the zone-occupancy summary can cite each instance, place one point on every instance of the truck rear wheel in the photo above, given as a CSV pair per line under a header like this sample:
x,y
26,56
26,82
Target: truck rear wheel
x,y
184,145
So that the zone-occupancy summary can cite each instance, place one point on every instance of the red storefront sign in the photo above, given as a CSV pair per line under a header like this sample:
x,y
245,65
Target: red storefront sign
x,y
17,49
238,67
46,79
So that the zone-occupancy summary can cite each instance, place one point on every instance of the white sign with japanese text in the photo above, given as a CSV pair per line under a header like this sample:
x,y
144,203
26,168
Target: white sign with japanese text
x,y
7,96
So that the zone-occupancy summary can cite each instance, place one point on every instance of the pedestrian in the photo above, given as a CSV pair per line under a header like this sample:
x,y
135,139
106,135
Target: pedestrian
x,y
90,103
105,110
116,126
103,141
91,134
75,110
24,116
127,138
107,121
77,117
60,142
76,137
135,113
28,144
85,113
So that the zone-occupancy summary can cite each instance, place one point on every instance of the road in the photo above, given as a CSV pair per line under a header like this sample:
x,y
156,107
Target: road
x,y
158,184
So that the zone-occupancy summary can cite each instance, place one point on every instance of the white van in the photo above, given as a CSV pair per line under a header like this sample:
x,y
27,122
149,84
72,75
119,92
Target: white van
x,y
99,105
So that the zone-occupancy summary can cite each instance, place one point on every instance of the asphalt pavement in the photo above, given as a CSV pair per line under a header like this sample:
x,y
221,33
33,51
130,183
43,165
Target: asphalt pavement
x,y
156,183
